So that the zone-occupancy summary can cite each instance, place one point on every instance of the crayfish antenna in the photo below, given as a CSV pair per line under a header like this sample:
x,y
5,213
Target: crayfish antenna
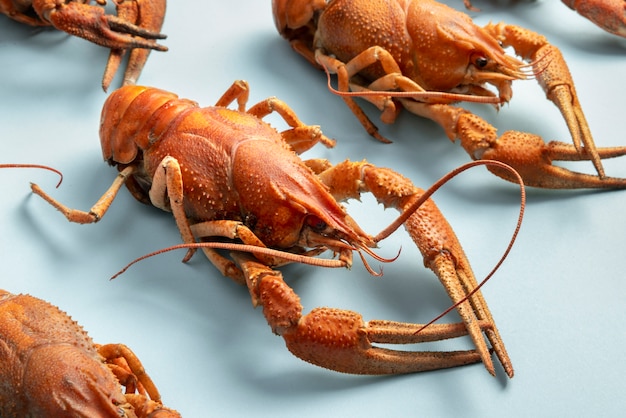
x,y
39,166
539,65
440,96
415,205
506,251
296,258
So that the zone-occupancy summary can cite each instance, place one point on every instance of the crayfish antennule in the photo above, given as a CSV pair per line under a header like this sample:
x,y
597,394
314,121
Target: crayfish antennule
x,y
287,256
369,268
526,71
540,65
372,254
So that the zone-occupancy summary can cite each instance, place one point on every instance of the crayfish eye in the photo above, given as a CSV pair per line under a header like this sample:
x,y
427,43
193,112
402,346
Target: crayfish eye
x,y
316,224
480,61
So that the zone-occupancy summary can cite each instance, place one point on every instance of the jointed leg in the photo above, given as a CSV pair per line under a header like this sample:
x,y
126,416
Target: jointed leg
x,y
300,137
382,91
98,210
112,352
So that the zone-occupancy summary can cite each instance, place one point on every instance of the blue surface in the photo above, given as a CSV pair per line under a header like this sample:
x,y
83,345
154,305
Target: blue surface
x,y
558,300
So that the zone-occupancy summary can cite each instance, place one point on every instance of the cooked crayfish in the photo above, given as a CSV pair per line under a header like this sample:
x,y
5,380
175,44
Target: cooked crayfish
x,y
50,367
226,174
424,56
136,27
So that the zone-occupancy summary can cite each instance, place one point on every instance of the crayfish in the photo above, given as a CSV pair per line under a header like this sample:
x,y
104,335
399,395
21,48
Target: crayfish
x,y
136,27
424,56
50,367
231,179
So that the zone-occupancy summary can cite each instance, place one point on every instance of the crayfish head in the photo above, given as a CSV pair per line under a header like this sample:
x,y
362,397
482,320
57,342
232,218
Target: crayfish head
x,y
83,384
343,239
453,54
298,211
336,234
286,205
491,66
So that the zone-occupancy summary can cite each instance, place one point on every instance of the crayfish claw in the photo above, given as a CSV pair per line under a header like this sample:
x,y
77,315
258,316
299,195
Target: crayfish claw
x,y
469,6
136,26
340,340
122,26
91,23
610,15
533,158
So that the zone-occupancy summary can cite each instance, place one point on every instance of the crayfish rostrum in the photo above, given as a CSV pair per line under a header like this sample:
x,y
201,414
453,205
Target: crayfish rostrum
x,y
424,56
50,367
136,27
234,182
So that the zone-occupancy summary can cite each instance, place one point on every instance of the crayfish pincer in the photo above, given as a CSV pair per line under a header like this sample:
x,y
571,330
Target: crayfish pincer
x,y
234,182
50,367
136,27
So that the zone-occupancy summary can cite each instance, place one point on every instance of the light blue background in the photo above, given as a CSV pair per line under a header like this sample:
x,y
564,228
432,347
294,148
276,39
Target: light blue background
x,y
558,300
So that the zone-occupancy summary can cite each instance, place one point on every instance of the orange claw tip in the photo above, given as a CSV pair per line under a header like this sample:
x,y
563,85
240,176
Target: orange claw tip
x,y
555,177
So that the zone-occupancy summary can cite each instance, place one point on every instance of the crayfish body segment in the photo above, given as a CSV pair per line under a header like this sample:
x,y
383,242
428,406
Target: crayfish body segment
x,y
227,175
50,367
424,56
